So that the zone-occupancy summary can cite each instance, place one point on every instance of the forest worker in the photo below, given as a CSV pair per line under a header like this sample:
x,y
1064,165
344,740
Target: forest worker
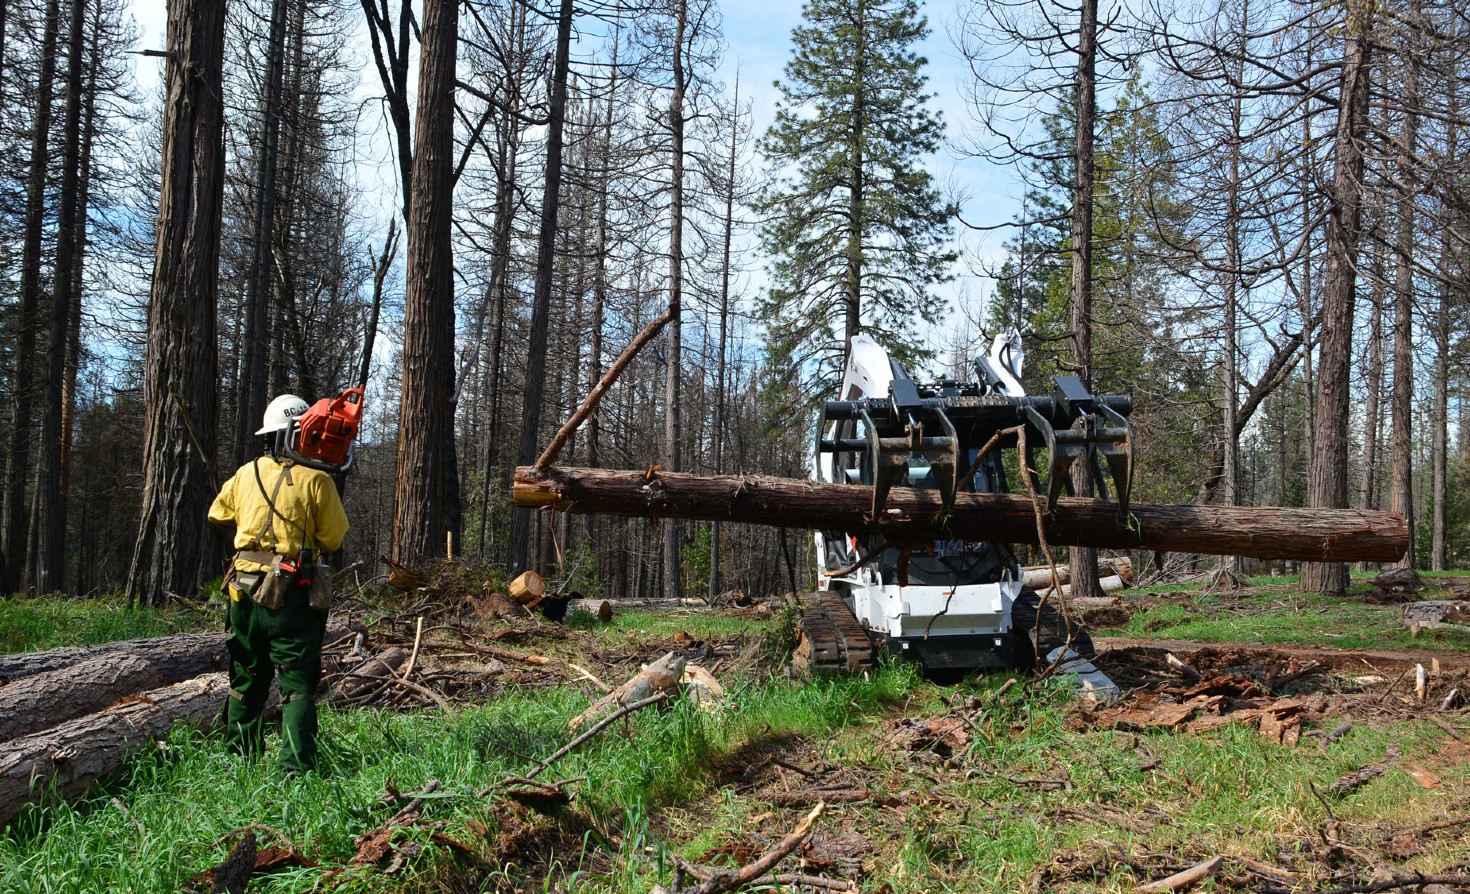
x,y
283,515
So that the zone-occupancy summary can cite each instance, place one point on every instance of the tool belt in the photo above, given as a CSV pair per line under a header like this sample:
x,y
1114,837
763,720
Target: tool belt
x,y
265,588
268,588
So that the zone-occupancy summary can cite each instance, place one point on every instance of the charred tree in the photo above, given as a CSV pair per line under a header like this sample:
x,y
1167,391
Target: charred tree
x,y
673,427
1328,488
521,522
179,385
1084,559
251,398
427,491
17,464
46,555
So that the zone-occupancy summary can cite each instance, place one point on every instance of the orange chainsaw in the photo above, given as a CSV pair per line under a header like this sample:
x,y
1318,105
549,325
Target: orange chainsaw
x,y
323,437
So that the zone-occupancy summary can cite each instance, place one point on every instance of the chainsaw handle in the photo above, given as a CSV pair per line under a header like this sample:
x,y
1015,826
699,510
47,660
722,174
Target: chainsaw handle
x,y
288,447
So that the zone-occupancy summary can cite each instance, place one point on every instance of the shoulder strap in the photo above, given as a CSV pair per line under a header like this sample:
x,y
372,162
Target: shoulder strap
x,y
270,500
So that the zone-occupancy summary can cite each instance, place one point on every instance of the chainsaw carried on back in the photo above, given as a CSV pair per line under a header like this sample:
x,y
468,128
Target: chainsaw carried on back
x,y
325,436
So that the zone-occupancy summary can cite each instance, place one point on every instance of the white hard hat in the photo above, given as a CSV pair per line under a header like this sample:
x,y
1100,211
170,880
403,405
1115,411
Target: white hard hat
x,y
280,412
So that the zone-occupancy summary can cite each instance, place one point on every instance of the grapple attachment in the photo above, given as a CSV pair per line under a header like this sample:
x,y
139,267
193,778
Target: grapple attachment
x,y
921,434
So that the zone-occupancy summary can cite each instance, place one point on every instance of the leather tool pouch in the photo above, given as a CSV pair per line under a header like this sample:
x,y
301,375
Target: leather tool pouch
x,y
244,584
271,593
320,598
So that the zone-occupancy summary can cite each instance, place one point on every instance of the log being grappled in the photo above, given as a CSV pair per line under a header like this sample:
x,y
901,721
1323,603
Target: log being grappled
x,y
913,514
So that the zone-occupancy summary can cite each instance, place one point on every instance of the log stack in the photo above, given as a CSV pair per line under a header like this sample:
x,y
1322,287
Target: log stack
x,y
913,514
71,716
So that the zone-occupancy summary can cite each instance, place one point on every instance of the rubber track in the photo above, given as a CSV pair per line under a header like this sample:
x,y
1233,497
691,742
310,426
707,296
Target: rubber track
x,y
838,643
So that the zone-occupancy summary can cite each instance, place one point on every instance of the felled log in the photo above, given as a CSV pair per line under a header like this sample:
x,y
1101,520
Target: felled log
x,y
1322,535
177,657
1038,576
1418,616
63,762
1106,584
662,676
369,675
41,701
527,588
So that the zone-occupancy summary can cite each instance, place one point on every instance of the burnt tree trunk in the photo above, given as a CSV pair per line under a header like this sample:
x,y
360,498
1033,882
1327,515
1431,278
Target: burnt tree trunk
x,y
673,433
17,464
251,399
520,522
916,514
63,762
179,385
427,493
46,555
1327,488
1402,487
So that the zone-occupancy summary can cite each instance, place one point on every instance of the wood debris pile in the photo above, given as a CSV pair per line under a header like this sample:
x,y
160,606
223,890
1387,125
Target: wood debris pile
x,y
1211,703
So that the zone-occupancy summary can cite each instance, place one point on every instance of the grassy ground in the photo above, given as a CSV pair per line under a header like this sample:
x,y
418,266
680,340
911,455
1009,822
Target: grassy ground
x,y
30,623
1274,610
1034,800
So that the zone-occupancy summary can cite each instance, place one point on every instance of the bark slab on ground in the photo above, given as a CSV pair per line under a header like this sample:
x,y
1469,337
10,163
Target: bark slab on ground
x,y
916,514
62,763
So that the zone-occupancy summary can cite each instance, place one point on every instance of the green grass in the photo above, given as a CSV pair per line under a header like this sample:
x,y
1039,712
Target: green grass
x,y
1280,613
651,625
48,622
175,804
1032,803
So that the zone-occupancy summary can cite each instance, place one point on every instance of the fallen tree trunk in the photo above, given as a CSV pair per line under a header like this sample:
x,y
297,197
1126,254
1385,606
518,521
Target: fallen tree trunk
x,y
41,701
62,763
1323,535
1038,576
1111,584
178,657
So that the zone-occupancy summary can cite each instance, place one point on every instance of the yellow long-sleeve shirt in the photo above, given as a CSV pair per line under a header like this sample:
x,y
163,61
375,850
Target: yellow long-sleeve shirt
x,y
308,500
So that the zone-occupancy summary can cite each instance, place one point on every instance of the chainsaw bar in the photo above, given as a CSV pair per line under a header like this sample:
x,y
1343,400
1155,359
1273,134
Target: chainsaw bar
x,y
832,641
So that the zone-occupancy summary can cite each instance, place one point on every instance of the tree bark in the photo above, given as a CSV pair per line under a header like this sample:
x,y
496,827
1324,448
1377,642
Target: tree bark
x,y
673,433
1328,485
46,700
722,347
1083,558
62,763
179,385
520,523
916,514
17,464
46,554
1403,309
427,494
176,657
251,398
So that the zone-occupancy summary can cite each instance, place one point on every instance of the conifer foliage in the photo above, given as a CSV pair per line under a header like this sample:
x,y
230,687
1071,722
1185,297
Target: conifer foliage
x,y
857,229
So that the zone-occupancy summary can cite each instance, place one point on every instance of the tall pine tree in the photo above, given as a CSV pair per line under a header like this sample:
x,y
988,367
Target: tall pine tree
x,y
858,230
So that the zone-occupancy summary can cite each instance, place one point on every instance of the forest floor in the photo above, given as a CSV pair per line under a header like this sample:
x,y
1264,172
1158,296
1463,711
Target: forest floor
x,y
1298,770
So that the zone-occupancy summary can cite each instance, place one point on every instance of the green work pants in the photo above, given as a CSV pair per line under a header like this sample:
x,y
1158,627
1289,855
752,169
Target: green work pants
x,y
263,642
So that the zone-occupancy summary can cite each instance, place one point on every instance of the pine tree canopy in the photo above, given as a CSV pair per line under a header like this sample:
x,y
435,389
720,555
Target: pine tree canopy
x,y
858,231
